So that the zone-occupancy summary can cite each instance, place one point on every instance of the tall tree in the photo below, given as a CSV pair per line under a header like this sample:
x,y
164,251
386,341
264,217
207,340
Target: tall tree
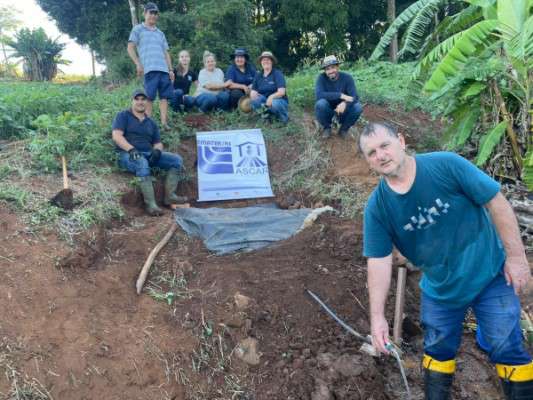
x,y
40,54
9,22
391,16
133,12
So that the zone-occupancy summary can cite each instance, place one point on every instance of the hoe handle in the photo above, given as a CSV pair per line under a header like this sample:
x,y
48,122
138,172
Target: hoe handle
x,y
400,301
65,176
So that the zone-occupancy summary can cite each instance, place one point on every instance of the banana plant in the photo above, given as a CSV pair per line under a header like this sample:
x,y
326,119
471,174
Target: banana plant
x,y
480,56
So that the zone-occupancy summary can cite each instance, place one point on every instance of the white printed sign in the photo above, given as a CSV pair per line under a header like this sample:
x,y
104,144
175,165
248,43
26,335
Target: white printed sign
x,y
232,165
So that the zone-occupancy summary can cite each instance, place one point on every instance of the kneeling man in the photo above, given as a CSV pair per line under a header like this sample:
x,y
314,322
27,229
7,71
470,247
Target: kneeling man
x,y
450,219
336,94
139,148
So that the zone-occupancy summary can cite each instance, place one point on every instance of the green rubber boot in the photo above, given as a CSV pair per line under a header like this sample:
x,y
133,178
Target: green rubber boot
x,y
171,182
147,189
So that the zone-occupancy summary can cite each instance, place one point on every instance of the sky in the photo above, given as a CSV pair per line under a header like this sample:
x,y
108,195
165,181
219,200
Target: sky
x,y
32,16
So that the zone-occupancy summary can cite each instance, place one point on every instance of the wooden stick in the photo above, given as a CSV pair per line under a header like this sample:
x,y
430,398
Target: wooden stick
x,y
65,175
149,261
400,301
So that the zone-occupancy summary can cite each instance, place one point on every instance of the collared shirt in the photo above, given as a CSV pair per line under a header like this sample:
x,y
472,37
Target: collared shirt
x,y
140,134
151,46
242,78
184,82
266,85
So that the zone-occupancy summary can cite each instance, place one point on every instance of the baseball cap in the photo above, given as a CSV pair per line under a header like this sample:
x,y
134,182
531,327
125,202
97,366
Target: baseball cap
x,y
151,7
138,92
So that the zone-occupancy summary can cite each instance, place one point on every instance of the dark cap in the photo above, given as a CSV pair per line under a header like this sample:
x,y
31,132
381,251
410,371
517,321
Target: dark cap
x,y
150,7
138,92
240,52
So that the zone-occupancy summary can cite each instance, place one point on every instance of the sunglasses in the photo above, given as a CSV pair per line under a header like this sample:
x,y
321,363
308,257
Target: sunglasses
x,y
153,12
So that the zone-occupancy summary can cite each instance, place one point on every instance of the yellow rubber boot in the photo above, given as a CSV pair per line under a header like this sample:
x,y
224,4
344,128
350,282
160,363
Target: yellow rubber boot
x,y
438,378
517,381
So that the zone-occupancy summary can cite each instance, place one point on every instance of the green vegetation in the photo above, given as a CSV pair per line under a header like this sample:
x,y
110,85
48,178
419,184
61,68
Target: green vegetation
x,y
295,30
43,121
476,57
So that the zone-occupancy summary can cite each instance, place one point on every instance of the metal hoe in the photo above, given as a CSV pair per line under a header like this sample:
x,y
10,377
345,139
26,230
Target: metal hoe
x,y
390,346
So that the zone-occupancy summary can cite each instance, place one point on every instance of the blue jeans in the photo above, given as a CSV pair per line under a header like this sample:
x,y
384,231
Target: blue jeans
x,y
141,167
209,101
177,100
497,310
324,112
280,107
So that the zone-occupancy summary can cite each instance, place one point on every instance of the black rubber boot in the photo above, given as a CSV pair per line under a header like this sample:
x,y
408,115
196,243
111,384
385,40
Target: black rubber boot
x,y
437,385
517,390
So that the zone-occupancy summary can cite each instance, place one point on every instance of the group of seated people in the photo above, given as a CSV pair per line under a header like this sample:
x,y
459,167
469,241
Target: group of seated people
x,y
266,89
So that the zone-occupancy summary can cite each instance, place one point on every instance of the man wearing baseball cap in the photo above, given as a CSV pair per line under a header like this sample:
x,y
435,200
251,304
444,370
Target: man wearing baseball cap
x,y
139,148
336,95
148,48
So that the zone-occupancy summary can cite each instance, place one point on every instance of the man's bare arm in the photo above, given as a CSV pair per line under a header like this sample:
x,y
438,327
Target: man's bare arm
x,y
169,65
120,140
517,271
379,278
132,52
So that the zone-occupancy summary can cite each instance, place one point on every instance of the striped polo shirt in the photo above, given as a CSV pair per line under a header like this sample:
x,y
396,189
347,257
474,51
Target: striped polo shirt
x,y
151,46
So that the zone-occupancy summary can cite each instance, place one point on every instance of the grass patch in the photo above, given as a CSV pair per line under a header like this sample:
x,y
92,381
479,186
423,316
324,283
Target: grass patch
x,y
22,386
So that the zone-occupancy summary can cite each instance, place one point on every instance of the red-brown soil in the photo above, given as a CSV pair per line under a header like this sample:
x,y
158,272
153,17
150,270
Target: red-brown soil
x,y
71,322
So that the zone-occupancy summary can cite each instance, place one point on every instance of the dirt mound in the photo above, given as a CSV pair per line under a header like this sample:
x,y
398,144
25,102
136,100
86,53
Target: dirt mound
x,y
88,253
200,122
240,326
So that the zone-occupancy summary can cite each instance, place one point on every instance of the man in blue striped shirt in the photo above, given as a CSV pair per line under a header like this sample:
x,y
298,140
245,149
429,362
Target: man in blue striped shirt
x,y
148,48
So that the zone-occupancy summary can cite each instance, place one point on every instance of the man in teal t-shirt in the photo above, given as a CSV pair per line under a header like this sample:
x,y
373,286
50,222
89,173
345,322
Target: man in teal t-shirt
x,y
449,218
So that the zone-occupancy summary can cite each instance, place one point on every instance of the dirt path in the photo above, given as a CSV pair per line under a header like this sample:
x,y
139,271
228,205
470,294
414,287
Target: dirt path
x,y
71,323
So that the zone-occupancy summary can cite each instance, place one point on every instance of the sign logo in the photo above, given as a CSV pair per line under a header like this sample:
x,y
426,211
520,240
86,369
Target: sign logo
x,y
252,159
232,165
215,157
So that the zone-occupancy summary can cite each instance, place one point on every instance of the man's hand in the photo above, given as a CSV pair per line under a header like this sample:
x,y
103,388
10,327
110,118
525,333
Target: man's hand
x,y
140,69
517,273
254,94
134,154
347,98
154,157
379,329
269,101
171,75
340,108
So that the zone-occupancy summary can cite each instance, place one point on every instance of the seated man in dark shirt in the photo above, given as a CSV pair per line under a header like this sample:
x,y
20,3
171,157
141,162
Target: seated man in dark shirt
x,y
336,95
139,148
